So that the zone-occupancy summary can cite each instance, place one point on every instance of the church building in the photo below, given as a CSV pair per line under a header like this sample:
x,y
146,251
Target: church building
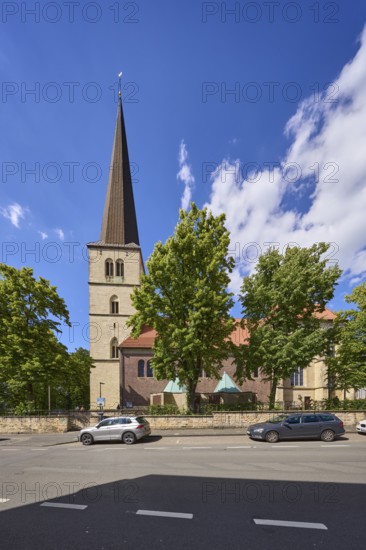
x,y
123,373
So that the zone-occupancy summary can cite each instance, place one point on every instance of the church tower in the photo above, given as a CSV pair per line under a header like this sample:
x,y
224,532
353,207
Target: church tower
x,y
115,268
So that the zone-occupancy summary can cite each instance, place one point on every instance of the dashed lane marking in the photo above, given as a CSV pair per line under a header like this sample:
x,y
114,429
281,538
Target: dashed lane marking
x,y
296,524
64,505
164,514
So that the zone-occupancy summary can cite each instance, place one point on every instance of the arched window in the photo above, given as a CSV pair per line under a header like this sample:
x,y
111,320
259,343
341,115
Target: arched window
x,y
150,372
114,348
120,268
114,304
141,368
109,268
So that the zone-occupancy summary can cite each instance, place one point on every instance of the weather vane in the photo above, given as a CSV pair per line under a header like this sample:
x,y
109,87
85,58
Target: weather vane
x,y
119,84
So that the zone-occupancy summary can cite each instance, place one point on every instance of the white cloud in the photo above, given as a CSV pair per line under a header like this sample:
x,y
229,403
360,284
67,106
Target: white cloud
x,y
60,234
43,235
328,138
14,212
185,175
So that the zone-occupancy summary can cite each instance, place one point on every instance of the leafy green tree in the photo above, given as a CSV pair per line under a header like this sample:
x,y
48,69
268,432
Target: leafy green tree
x,y
74,389
184,297
347,366
281,304
31,357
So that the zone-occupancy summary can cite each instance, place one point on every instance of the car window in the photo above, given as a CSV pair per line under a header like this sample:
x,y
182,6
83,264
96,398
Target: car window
x,y
326,417
107,422
277,419
140,420
293,419
310,418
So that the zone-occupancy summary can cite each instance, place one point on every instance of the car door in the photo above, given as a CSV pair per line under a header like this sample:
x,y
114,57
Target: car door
x,y
310,425
117,428
102,433
290,428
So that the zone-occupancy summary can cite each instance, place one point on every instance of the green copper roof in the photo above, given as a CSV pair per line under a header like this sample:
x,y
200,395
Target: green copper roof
x,y
226,385
174,387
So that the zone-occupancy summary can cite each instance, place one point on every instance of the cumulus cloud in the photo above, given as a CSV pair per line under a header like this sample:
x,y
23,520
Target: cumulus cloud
x,y
317,192
43,235
185,175
14,212
60,234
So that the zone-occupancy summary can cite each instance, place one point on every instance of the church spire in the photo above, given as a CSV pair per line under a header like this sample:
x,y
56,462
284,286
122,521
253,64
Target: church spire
x,y
119,224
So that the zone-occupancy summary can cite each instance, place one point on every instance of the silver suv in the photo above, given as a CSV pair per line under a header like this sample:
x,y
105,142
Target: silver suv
x,y
120,428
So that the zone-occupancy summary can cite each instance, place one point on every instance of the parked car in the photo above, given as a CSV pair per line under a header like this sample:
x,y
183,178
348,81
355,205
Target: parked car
x,y
361,427
325,426
121,428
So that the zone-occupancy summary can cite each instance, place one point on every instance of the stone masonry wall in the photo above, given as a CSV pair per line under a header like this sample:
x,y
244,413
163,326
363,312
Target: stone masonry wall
x,y
33,424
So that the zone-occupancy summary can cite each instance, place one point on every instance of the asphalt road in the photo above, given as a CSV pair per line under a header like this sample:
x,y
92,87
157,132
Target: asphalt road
x,y
183,492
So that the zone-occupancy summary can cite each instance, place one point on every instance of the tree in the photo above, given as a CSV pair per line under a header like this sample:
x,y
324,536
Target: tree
x,y
184,298
31,357
347,366
74,388
282,302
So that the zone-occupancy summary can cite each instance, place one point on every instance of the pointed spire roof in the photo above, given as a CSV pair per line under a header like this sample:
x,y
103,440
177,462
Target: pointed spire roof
x,y
226,385
174,387
119,225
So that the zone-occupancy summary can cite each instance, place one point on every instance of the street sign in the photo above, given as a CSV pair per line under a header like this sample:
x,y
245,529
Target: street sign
x,y
101,401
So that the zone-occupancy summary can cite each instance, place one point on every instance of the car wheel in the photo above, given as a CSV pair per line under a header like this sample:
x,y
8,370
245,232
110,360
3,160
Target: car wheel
x,y
87,439
272,437
327,435
129,438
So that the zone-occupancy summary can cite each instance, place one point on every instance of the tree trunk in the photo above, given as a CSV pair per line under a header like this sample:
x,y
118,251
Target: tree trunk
x,y
272,395
191,395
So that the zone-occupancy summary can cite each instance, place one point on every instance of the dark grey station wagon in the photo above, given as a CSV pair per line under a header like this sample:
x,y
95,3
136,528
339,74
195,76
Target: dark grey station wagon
x,y
325,426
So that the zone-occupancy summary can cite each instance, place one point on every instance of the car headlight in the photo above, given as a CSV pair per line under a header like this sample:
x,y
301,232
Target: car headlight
x,y
259,430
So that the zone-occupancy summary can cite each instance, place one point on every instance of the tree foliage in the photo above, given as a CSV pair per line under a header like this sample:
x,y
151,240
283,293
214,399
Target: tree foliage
x,y
184,297
347,366
31,357
281,304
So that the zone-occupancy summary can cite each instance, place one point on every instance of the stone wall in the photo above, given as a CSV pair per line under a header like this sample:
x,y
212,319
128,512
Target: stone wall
x,y
33,424
60,424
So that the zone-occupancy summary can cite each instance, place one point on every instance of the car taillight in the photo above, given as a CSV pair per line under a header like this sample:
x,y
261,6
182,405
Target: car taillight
x,y
341,424
139,427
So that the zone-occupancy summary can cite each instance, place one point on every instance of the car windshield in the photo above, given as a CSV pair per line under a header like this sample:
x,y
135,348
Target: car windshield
x,y
140,420
277,419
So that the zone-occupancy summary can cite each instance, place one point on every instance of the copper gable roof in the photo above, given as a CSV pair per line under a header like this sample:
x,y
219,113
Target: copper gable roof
x,y
119,226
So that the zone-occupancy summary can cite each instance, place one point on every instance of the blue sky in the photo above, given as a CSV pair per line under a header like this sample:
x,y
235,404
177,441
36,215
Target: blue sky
x,y
259,113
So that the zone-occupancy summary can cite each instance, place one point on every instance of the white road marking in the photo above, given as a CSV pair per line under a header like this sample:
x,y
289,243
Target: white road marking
x,y
155,448
331,445
285,446
240,447
189,448
298,524
10,449
4,499
61,505
40,449
164,514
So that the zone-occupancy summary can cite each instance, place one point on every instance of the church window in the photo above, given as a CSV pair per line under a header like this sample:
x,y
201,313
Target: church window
x,y
150,372
109,268
141,368
114,348
120,271
114,305
297,377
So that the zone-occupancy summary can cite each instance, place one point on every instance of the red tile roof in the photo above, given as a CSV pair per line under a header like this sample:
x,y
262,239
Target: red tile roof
x,y
238,336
